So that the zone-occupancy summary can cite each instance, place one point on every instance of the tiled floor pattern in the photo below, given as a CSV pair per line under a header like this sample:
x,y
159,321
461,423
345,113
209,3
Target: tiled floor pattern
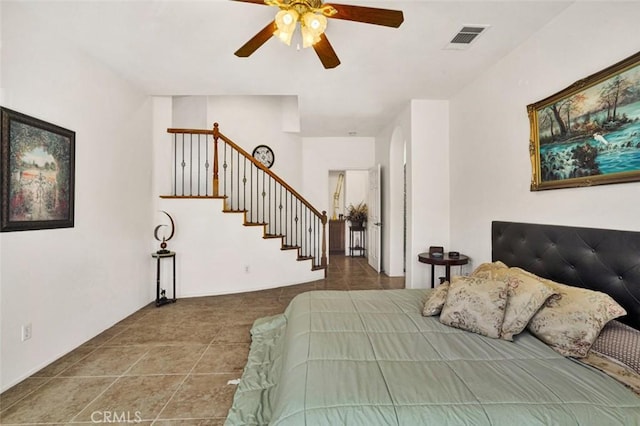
x,y
167,365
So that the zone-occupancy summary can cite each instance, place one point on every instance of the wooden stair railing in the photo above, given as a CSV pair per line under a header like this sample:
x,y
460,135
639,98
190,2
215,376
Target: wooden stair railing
x,y
249,188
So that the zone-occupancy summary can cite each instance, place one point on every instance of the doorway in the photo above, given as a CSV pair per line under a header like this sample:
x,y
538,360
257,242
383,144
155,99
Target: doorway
x,y
346,188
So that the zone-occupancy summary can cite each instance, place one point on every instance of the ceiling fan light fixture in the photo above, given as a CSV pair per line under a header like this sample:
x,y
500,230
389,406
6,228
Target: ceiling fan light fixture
x,y
284,36
286,21
308,37
312,15
312,27
316,22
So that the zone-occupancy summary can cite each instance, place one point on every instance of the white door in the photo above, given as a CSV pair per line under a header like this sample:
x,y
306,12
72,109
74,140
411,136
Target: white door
x,y
374,223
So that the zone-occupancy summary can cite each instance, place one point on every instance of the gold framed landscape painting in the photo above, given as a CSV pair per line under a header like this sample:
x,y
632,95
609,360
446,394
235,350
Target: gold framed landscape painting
x,y
589,133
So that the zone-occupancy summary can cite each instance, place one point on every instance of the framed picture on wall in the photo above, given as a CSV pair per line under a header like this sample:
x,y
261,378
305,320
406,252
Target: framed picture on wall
x,y
589,133
37,172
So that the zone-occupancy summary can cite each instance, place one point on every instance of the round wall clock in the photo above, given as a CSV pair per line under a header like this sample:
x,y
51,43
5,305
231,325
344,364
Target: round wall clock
x,y
264,154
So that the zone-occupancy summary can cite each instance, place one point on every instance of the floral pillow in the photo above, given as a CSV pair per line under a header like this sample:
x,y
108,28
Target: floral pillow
x,y
526,294
571,321
475,304
488,270
435,300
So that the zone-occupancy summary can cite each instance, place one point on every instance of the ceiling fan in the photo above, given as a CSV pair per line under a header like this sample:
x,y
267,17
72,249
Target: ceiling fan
x,y
312,16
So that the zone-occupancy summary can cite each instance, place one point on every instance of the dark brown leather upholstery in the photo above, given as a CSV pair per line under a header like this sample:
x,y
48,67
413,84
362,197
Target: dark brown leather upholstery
x,y
597,259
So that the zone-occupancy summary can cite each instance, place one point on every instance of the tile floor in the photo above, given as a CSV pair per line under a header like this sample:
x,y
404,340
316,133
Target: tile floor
x,y
167,365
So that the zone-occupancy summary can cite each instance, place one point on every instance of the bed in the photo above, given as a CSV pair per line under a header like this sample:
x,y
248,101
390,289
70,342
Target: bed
x,y
372,358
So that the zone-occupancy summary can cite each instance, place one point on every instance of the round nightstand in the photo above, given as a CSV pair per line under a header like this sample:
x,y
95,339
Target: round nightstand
x,y
444,260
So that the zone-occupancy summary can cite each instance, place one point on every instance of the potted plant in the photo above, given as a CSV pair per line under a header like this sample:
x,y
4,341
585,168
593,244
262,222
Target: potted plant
x,y
357,214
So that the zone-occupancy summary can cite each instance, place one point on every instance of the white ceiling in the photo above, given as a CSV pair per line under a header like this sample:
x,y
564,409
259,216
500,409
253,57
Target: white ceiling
x,y
179,47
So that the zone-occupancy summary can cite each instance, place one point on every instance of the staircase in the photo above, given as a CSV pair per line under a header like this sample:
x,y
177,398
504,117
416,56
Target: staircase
x,y
207,164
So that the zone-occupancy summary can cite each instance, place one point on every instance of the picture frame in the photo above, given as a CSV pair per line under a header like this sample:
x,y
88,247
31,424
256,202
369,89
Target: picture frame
x,y
37,173
589,133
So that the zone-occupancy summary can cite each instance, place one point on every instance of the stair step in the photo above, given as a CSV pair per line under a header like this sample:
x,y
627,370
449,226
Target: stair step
x,y
305,258
286,247
207,197
234,211
318,267
273,236
255,224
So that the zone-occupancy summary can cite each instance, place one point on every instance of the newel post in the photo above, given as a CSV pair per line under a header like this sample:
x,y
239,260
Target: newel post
x,y
323,259
216,135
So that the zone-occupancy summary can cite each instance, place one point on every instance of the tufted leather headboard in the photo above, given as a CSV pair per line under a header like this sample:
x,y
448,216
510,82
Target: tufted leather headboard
x,y
597,259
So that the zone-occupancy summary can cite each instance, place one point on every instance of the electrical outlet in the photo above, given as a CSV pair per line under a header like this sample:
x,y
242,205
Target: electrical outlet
x,y
26,332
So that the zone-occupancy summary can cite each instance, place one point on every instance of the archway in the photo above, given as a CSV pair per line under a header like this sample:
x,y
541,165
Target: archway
x,y
395,225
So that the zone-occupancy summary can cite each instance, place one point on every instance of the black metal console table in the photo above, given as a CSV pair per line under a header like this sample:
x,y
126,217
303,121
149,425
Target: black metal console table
x,y
357,241
161,297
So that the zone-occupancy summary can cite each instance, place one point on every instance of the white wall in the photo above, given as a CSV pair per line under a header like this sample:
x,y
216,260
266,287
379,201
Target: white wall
x,y
395,222
71,284
427,186
290,114
356,188
250,121
190,112
490,168
216,254
162,118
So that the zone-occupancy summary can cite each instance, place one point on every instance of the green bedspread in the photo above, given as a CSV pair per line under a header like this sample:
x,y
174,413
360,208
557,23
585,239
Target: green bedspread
x,y
371,358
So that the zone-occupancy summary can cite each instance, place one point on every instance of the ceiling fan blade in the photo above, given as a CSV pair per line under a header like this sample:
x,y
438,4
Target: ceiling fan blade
x,y
253,1
258,40
368,15
326,53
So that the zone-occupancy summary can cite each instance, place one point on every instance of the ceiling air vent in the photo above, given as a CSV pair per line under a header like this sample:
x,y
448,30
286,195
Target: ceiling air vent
x,y
467,35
